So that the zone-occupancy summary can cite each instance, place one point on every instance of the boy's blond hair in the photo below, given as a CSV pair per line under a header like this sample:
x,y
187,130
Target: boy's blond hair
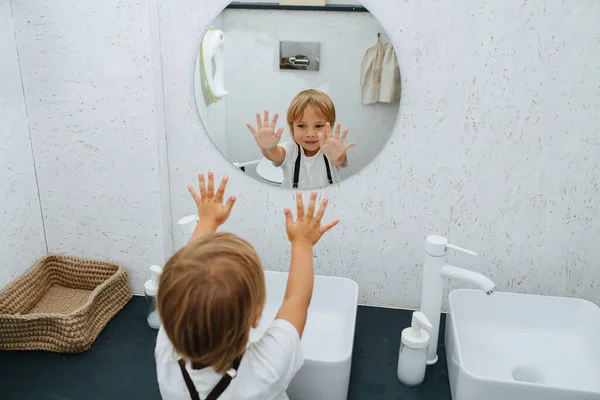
x,y
208,296
313,97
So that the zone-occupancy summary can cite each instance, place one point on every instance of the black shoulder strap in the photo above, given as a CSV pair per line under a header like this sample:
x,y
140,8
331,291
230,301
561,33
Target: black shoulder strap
x,y
225,381
297,168
188,381
328,169
219,388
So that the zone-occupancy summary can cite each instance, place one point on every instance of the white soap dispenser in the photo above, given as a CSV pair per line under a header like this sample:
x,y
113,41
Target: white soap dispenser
x,y
150,290
412,358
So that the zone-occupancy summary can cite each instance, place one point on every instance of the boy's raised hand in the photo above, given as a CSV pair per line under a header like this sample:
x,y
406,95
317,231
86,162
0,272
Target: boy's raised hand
x,y
211,209
332,144
307,229
265,135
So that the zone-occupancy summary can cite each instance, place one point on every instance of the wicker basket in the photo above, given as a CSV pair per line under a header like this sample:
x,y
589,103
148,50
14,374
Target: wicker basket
x,y
61,304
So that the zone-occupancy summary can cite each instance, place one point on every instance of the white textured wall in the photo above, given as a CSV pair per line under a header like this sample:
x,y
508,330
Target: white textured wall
x,y
255,82
22,234
91,88
497,146
497,142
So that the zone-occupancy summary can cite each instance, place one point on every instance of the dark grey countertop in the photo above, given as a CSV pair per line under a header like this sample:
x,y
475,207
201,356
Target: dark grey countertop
x,y
120,364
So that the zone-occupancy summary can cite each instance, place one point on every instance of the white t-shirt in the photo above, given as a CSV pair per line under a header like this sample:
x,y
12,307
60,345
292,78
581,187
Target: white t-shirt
x,y
313,173
266,370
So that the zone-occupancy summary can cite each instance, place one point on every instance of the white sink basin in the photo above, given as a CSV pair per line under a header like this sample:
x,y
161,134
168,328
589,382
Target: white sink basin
x,y
509,346
328,336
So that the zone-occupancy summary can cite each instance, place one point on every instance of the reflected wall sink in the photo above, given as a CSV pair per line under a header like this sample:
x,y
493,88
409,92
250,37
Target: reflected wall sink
x,y
510,346
328,336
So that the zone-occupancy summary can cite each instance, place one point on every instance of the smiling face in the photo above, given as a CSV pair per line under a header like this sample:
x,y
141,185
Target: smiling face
x,y
305,130
309,111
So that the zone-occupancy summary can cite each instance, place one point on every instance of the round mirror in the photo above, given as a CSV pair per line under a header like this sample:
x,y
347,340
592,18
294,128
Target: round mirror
x,y
297,96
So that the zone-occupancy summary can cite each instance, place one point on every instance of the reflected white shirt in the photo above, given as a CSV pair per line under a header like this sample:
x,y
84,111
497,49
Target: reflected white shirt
x,y
313,173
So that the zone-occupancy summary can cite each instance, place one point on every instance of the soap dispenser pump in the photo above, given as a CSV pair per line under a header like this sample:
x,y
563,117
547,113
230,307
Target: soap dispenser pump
x,y
150,291
412,358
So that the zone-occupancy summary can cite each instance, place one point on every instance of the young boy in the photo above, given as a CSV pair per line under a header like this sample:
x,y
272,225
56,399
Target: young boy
x,y
312,160
212,292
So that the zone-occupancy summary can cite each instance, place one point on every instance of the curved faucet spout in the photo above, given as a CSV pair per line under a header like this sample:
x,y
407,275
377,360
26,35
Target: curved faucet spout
x,y
482,281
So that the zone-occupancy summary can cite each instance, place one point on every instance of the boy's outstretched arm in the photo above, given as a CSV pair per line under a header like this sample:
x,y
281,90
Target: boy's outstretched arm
x,y
267,138
303,234
211,210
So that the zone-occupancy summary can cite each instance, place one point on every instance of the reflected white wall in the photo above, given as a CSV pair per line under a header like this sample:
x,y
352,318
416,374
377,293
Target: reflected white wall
x,y
256,83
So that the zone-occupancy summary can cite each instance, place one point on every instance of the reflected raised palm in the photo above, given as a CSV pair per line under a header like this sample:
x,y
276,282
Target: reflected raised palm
x,y
265,135
332,144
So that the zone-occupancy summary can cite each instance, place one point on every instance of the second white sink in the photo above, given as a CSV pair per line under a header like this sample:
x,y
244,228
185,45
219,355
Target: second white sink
x,y
522,347
328,337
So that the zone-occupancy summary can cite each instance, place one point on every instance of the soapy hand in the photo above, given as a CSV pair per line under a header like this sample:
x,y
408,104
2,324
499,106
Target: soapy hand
x,y
211,209
332,145
307,229
265,134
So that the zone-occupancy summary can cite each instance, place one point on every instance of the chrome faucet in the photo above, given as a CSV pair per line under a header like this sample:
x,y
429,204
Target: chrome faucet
x,y
435,268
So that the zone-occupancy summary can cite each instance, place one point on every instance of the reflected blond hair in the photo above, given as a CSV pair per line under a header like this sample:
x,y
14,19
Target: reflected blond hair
x,y
208,296
313,97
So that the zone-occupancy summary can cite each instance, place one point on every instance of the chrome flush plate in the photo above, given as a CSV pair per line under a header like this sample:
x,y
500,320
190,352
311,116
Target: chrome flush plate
x,y
303,56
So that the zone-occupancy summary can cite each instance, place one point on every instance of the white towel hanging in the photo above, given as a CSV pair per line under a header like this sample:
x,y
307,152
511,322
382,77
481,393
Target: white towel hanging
x,y
370,73
379,74
390,76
